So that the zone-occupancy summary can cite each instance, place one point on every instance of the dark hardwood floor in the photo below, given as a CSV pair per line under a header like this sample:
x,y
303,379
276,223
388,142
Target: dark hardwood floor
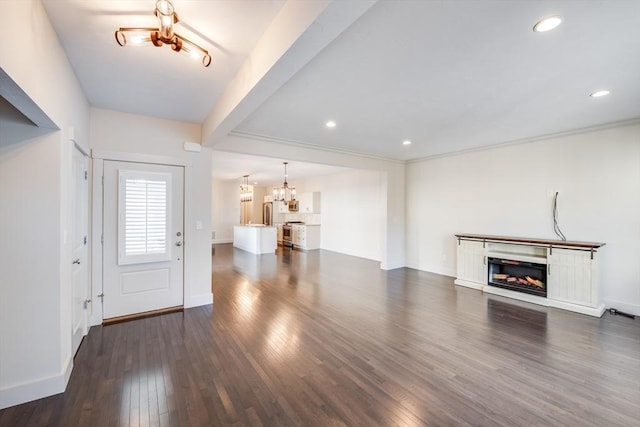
x,y
323,339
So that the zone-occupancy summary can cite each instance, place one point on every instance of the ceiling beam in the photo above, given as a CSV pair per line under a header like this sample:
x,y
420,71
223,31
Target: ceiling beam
x,y
17,97
298,33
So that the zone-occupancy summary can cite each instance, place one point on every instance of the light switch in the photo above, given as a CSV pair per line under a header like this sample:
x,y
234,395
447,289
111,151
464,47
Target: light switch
x,y
198,225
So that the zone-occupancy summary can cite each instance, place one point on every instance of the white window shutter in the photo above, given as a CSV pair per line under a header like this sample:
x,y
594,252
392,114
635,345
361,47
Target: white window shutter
x,y
144,210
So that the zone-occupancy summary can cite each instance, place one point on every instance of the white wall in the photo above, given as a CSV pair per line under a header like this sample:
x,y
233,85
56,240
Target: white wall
x,y
112,131
35,221
351,216
225,210
29,237
508,191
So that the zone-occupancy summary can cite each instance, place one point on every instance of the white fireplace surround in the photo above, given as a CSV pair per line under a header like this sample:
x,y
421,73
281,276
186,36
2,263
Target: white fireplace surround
x,y
572,269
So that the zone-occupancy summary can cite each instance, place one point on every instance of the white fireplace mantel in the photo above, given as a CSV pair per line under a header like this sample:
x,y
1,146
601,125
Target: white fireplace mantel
x,y
572,269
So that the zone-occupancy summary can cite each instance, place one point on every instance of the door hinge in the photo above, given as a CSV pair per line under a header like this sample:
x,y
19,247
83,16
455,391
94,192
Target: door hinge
x,y
102,239
86,175
84,240
102,180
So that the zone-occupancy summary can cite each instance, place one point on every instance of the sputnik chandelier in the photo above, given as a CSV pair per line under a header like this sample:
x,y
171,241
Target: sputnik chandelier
x,y
163,34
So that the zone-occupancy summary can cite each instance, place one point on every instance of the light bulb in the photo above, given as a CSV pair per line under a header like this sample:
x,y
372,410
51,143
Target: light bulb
x,y
138,39
164,11
195,52
547,24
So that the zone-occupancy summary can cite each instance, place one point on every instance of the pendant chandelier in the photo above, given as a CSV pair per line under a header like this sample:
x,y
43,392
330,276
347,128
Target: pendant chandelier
x,y
163,34
246,195
284,193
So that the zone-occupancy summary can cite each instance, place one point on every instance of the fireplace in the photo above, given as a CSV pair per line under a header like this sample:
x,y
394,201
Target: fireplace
x,y
527,277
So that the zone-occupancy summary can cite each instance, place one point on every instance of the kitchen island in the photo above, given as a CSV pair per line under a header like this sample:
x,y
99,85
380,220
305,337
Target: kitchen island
x,y
255,238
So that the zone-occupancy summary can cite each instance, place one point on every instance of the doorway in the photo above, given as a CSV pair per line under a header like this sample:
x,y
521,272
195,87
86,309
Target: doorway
x,y
143,227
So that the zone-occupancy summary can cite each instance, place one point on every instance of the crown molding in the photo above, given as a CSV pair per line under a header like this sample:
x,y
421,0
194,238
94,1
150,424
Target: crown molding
x,y
604,126
294,143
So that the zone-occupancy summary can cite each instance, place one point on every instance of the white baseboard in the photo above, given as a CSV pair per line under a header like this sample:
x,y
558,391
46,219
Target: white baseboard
x,y
623,306
590,311
67,372
438,270
472,285
37,389
219,241
198,300
386,266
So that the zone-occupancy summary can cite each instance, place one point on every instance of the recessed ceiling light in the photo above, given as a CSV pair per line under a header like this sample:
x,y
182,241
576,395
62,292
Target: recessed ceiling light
x,y
330,124
599,93
547,24
406,142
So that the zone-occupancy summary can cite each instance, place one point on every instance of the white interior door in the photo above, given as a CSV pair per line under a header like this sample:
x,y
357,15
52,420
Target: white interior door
x,y
80,262
143,236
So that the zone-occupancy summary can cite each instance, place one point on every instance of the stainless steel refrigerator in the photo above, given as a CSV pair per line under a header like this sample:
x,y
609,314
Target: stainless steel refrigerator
x,y
267,213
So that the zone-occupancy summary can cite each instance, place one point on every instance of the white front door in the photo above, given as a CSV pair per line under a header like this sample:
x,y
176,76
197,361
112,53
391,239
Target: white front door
x,y
79,262
143,236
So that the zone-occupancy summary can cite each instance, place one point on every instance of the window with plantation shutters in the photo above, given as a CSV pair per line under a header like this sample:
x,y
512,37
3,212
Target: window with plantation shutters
x,y
143,220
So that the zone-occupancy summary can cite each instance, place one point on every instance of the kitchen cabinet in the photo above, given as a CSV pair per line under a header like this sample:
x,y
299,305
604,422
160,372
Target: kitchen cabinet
x,y
309,202
279,235
472,264
306,237
281,207
298,232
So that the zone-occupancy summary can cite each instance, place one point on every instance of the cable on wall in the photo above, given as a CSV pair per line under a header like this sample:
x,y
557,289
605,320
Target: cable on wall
x,y
556,224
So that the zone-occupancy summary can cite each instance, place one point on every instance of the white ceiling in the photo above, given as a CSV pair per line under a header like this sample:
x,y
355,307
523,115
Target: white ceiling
x,y
454,75
448,75
154,80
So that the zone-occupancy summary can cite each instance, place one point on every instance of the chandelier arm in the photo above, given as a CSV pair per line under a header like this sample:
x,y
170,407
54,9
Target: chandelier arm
x,y
192,49
121,36
138,29
203,50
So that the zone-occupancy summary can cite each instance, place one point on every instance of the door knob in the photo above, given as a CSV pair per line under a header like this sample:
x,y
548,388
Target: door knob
x,y
178,243
76,261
